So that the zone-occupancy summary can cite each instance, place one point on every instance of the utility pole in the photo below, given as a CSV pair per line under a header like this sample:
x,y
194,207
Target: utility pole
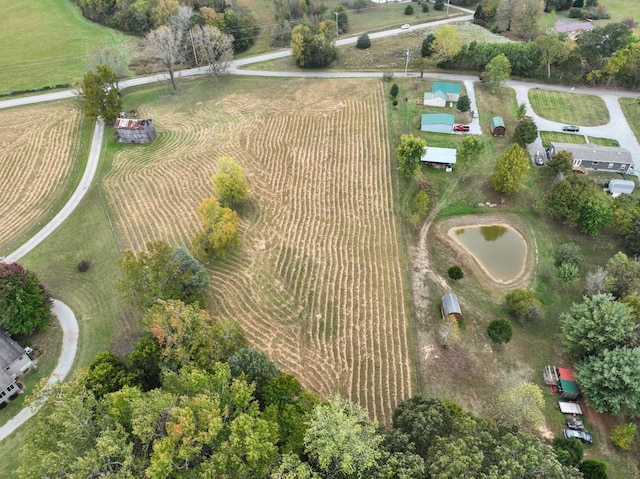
x,y
337,24
448,3
406,65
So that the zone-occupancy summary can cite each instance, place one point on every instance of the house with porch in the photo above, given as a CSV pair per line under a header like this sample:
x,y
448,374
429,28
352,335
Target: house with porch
x,y
14,363
596,157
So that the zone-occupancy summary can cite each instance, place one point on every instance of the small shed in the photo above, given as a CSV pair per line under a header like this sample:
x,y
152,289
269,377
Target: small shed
x,y
437,98
450,305
452,90
437,122
568,389
620,187
131,130
497,126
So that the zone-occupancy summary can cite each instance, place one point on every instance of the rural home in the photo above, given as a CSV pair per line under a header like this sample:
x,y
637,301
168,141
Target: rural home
x,y
437,122
620,187
438,98
452,90
135,131
450,305
440,156
596,157
497,126
14,363
572,29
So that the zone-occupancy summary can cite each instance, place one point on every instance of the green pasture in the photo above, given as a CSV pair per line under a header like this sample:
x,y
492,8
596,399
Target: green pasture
x,y
47,43
571,108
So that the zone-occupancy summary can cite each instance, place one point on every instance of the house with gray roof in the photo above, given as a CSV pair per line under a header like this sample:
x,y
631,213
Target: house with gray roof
x,y
437,122
596,157
14,363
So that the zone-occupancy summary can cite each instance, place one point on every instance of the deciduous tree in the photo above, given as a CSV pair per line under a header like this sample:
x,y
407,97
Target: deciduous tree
x,y
220,229
100,95
165,46
623,275
340,440
522,303
313,47
552,50
229,183
567,198
610,383
497,71
521,406
561,163
447,44
632,239
511,167
595,214
409,152
162,272
526,16
213,48
596,324
254,366
423,420
25,305
596,45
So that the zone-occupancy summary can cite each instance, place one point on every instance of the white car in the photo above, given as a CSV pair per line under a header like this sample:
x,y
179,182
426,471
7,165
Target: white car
x,y
406,26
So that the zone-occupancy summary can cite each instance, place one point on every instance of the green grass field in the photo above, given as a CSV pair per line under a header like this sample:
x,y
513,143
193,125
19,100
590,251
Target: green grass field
x,y
631,109
45,43
572,108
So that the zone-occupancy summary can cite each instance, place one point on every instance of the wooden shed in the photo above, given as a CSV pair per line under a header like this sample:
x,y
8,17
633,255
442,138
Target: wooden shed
x,y
135,131
450,305
497,126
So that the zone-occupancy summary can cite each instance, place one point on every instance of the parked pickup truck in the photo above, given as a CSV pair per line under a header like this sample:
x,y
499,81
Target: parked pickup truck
x,y
462,128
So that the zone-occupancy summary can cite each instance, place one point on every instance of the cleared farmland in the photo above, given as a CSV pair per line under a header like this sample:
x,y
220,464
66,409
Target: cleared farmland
x,y
38,150
318,282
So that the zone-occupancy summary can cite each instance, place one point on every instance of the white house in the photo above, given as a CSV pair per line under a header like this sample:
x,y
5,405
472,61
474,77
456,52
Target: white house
x,y
14,363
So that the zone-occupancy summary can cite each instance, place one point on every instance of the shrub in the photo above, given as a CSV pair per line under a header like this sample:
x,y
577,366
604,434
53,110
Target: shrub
x,y
630,22
394,103
569,451
500,331
408,10
455,273
623,436
593,469
394,90
568,272
568,253
578,3
83,265
363,42
439,5
425,7
420,207
523,304
575,13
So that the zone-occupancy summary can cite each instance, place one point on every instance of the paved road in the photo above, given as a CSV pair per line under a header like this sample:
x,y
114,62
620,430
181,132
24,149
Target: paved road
x,y
70,333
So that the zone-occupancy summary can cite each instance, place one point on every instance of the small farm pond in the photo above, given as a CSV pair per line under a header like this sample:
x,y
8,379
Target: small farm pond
x,y
499,249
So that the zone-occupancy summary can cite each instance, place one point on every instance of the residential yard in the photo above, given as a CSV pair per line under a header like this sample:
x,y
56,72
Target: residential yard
x,y
549,137
571,108
631,109
33,31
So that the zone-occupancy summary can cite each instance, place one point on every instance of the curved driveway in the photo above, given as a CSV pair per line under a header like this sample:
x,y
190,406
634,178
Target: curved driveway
x,y
617,127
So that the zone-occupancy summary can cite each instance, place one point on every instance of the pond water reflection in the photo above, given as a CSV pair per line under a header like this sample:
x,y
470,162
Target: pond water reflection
x,y
499,249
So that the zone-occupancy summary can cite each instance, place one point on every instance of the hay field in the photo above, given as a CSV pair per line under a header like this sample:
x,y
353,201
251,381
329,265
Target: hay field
x,y
318,282
38,151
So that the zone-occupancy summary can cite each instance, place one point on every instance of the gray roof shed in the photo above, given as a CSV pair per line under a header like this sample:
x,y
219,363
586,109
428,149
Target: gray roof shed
x,y
450,305
618,187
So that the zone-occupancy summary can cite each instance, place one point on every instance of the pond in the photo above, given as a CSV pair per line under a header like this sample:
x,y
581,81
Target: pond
x,y
499,249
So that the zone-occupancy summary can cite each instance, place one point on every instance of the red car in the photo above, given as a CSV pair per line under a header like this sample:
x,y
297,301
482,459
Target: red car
x,y
461,128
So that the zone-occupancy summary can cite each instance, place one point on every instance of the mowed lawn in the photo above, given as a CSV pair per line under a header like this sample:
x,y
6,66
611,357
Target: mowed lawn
x,y
45,43
319,279
572,108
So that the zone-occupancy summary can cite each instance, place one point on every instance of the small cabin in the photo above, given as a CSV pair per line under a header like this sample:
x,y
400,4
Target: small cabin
x,y
450,305
133,130
497,126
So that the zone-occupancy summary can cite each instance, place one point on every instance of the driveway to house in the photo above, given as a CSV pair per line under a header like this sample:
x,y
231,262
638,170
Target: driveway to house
x,y
70,333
